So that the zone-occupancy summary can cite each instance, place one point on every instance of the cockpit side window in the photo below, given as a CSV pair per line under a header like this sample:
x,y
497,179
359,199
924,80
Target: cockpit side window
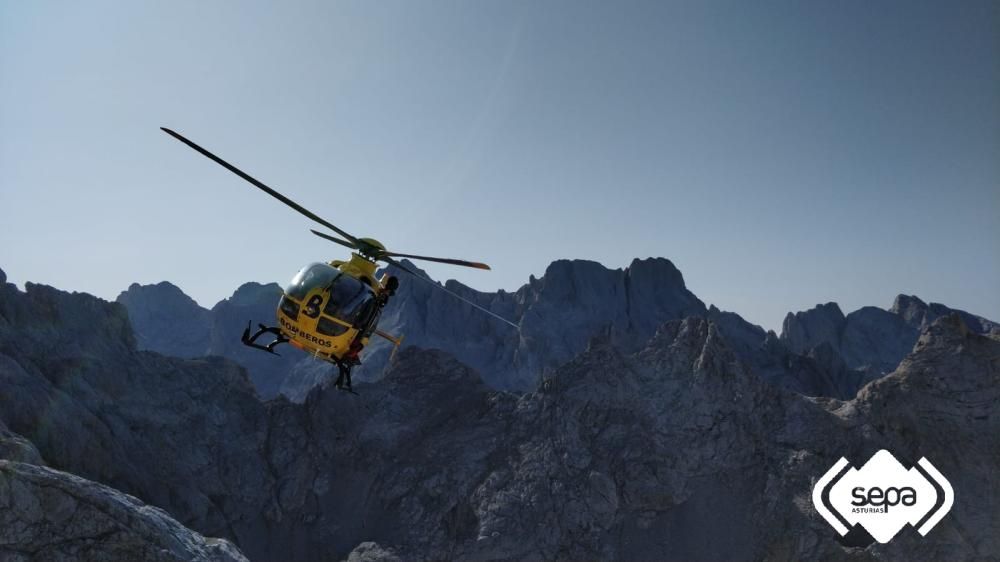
x,y
349,300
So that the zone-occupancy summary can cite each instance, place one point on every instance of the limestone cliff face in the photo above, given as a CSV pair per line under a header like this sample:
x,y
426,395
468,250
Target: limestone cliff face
x,y
169,322
618,454
250,304
802,331
870,337
166,320
558,314
919,315
819,372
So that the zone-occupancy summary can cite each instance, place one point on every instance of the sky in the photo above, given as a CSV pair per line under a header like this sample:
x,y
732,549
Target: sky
x,y
781,154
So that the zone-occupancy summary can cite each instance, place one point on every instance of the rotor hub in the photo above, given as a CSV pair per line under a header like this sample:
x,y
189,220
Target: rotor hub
x,y
370,248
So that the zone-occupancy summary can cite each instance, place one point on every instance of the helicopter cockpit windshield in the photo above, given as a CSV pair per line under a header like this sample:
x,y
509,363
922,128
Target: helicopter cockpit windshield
x,y
309,277
348,299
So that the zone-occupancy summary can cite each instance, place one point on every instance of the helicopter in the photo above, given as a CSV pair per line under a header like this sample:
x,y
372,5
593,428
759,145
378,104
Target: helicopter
x,y
331,309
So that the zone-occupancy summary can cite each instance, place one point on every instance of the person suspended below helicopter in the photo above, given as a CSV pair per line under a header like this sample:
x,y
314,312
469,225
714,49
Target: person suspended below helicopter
x,y
331,310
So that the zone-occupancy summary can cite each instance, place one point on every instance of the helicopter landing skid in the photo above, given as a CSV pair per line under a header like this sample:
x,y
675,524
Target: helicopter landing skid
x,y
250,341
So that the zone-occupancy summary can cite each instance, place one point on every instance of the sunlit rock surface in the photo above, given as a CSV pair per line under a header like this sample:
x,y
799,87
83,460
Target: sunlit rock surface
x,y
52,516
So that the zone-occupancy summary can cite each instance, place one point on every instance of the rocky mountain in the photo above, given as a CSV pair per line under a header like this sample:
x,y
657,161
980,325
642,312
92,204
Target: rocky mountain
x,y
166,320
813,374
675,450
558,314
920,315
870,338
169,322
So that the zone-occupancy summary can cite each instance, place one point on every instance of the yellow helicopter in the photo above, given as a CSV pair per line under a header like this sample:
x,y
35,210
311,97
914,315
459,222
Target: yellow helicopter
x,y
330,310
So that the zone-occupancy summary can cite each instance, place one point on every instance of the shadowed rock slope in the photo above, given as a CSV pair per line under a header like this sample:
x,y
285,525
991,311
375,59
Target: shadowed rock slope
x,y
676,451
169,322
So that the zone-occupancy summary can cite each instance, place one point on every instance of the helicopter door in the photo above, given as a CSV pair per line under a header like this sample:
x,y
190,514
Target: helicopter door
x,y
347,301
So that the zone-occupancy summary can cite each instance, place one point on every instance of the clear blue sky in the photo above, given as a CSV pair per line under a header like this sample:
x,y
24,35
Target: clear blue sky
x,y
780,153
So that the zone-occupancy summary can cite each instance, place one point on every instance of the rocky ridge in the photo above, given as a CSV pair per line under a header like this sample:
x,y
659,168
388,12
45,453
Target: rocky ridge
x,y
169,322
870,339
617,454
558,313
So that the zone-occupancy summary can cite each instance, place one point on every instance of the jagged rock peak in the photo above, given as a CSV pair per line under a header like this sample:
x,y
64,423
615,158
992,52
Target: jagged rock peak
x,y
165,319
827,312
411,266
919,315
902,303
911,309
69,323
803,330
948,359
572,280
565,267
163,295
163,287
677,343
692,339
661,269
252,292
949,329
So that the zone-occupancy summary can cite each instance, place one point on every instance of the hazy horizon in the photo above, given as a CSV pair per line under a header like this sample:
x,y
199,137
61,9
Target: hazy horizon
x,y
780,154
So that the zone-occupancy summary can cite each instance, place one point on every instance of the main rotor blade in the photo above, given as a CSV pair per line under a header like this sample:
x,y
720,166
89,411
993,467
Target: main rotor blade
x,y
333,239
474,264
452,293
259,185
